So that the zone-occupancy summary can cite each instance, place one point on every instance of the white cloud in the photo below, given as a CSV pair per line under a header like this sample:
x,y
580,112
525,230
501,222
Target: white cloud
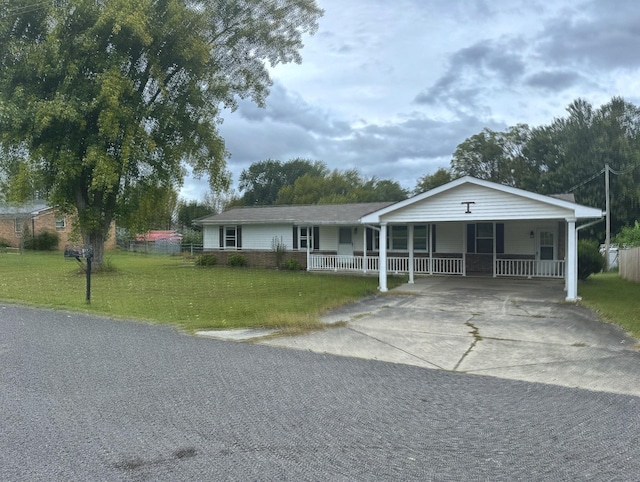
x,y
391,88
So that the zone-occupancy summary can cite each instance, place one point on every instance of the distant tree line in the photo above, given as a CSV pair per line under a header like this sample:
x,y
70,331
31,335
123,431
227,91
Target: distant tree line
x,y
302,181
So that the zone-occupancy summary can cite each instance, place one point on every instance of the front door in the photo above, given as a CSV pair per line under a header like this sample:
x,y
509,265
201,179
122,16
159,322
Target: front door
x,y
345,242
546,245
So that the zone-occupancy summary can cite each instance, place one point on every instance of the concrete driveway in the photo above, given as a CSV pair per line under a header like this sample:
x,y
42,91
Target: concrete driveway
x,y
516,329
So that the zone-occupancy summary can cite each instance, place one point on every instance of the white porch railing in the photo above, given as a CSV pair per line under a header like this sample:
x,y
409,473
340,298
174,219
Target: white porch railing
x,y
330,262
530,268
527,268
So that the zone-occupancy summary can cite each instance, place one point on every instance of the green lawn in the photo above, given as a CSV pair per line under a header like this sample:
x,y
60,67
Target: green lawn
x,y
165,290
615,299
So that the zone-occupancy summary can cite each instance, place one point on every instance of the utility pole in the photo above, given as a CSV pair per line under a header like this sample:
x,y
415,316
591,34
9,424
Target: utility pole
x,y
607,239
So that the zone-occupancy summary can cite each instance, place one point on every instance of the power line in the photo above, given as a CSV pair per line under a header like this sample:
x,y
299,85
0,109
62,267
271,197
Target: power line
x,y
624,170
588,180
26,8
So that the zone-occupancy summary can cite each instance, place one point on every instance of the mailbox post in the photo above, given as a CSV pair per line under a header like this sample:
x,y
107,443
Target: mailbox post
x,y
78,253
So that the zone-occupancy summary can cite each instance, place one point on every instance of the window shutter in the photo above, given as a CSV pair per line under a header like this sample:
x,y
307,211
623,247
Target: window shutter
x,y
369,239
500,238
433,238
222,236
316,237
239,237
295,237
471,238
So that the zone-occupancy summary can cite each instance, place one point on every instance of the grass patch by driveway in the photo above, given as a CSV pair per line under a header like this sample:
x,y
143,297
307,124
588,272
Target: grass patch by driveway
x,y
162,289
615,299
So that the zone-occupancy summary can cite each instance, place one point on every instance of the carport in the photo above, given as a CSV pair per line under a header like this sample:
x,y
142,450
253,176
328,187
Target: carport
x,y
476,226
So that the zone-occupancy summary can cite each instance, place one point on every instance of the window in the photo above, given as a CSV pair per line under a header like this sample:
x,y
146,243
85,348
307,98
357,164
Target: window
x,y
17,225
230,237
60,223
398,238
484,238
305,238
420,238
480,238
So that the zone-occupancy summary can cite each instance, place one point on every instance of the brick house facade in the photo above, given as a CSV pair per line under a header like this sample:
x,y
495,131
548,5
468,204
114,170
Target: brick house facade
x,y
19,221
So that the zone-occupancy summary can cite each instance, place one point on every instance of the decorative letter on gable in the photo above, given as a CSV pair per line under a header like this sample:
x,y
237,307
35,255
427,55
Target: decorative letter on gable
x,y
468,203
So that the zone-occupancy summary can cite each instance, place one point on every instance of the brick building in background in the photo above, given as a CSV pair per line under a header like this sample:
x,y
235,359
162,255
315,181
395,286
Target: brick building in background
x,y
18,221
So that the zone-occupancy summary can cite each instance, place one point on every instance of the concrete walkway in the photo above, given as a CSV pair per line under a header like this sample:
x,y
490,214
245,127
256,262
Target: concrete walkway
x,y
516,329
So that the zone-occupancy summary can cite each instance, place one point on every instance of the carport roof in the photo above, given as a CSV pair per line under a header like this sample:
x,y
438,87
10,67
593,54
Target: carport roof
x,y
498,202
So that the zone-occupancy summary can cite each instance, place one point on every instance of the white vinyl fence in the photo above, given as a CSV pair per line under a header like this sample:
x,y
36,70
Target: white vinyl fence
x,y
629,264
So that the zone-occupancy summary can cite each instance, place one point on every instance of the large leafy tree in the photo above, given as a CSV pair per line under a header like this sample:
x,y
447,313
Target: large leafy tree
x,y
262,181
431,181
187,212
572,151
107,96
339,187
494,156
150,207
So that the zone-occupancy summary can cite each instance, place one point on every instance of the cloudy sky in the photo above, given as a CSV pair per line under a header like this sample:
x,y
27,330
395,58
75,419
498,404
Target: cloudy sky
x,y
391,87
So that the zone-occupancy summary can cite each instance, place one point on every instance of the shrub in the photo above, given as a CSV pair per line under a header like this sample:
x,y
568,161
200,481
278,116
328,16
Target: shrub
x,y
206,260
292,264
43,241
279,248
4,243
629,236
590,260
237,260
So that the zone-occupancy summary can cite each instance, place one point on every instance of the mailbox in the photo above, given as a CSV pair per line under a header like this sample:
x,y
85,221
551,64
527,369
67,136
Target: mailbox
x,y
77,253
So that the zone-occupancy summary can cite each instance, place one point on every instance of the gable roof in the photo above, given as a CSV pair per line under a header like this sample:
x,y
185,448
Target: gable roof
x,y
28,209
316,214
546,206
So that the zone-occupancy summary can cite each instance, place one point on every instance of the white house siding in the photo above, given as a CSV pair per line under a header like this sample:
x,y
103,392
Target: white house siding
x,y
254,236
488,205
517,239
328,238
517,236
260,236
449,237
210,237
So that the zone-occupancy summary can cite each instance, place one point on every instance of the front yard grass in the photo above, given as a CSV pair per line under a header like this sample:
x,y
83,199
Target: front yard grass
x,y
162,289
614,299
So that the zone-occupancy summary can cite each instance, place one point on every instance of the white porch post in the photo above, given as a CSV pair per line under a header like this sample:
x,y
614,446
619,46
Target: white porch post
x,y
308,247
411,261
383,258
464,249
364,252
494,249
572,261
566,258
430,241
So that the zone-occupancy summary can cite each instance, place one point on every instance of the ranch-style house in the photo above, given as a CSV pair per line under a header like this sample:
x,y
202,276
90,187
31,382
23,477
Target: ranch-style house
x,y
466,227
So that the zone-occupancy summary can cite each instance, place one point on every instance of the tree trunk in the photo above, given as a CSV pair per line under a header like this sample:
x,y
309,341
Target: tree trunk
x,y
96,241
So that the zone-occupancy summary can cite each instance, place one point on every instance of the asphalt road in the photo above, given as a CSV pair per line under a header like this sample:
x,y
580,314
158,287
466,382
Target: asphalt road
x,y
86,398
